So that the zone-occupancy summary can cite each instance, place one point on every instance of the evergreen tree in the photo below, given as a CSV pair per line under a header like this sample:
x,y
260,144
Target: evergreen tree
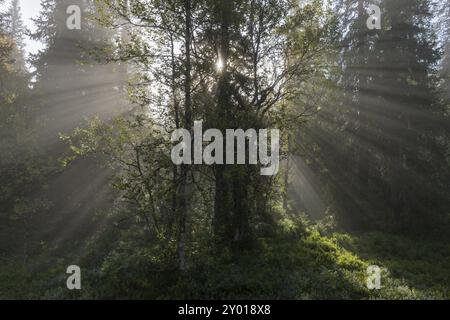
x,y
386,160
72,84
20,164
17,31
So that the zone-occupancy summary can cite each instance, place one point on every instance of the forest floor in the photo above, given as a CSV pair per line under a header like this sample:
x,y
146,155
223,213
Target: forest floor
x,y
295,263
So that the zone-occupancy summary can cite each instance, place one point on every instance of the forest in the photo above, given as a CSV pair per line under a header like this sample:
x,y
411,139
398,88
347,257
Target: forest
x,y
347,102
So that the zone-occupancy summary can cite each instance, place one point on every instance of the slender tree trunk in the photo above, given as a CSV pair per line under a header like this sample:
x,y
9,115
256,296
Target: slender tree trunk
x,y
176,106
188,126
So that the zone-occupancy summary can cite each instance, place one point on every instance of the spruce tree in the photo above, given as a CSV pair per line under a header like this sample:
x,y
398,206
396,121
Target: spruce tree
x,y
386,158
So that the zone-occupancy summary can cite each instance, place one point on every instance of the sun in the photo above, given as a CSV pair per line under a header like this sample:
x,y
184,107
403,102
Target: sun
x,y
220,65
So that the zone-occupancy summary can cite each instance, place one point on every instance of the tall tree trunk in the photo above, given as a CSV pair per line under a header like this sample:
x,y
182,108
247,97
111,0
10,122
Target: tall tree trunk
x,y
223,196
188,126
176,106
